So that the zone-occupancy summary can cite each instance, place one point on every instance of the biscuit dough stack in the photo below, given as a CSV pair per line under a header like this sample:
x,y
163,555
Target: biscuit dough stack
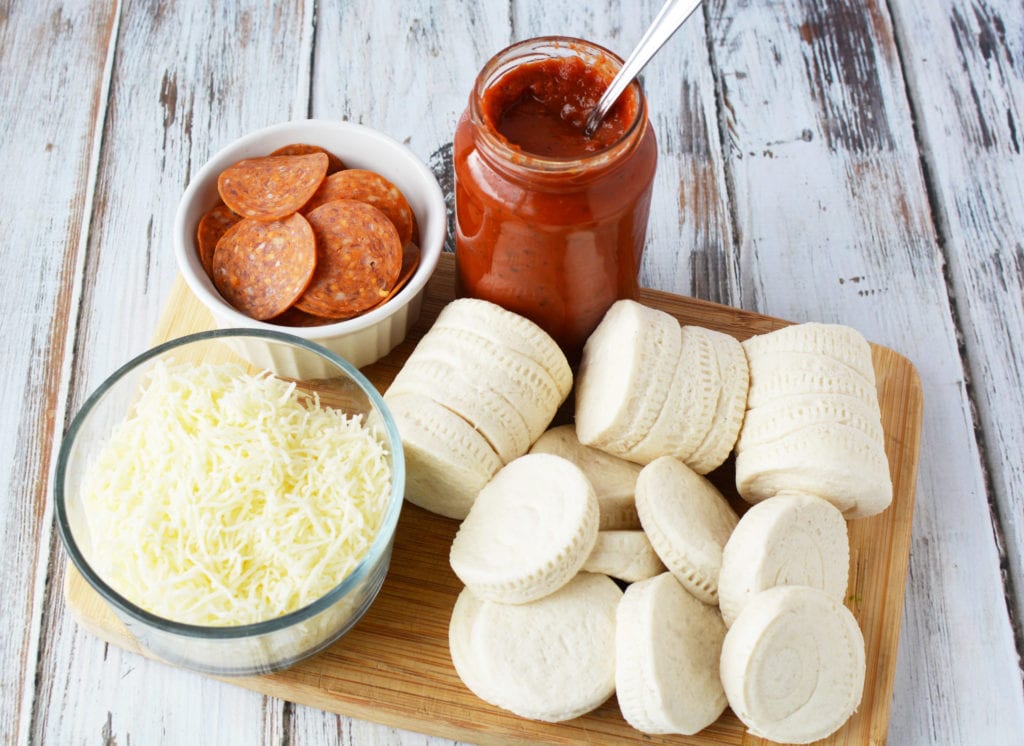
x,y
478,390
813,421
717,609
648,387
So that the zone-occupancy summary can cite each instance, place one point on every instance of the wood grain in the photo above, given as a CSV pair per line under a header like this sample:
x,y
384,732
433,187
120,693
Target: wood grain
x,y
394,667
48,149
965,76
834,221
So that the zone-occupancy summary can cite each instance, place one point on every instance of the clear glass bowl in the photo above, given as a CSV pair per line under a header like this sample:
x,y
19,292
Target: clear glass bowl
x,y
264,646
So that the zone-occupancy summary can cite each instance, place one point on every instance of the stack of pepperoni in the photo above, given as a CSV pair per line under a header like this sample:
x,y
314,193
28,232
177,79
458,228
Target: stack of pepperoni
x,y
301,240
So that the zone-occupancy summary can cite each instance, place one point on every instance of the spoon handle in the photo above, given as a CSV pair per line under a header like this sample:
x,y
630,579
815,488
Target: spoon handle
x,y
668,20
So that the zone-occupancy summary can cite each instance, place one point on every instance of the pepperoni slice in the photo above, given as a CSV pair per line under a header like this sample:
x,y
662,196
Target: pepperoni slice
x,y
359,256
261,267
212,226
271,187
410,261
334,163
373,189
297,317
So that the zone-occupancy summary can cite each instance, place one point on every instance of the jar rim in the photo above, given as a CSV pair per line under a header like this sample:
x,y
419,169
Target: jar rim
x,y
548,47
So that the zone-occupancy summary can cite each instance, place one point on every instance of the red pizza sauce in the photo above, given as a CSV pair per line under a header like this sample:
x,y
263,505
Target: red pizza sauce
x,y
551,223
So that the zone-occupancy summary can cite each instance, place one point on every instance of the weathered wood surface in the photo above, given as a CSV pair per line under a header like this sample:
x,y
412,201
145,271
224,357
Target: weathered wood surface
x,y
963,65
838,161
49,138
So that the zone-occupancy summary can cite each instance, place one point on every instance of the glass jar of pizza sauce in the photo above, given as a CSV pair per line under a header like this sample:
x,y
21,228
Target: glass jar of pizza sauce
x,y
551,223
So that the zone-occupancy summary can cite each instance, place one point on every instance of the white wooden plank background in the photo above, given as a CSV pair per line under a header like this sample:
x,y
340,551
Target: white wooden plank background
x,y
836,225
49,137
833,160
963,66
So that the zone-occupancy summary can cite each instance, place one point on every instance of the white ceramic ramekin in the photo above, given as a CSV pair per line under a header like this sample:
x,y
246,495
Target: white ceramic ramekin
x,y
361,340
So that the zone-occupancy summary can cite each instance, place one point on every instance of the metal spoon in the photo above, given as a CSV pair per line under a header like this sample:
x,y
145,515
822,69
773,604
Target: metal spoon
x,y
669,18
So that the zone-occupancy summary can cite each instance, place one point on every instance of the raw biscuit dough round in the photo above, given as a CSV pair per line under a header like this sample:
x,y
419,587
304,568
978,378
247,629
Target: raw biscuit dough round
x,y
834,461
529,531
624,555
775,374
613,478
689,406
790,539
499,325
837,341
793,664
519,381
480,405
688,522
447,462
727,421
775,420
667,651
625,376
547,660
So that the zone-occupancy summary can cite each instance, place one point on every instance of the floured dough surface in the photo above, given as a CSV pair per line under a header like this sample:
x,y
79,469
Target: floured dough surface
x,y
790,539
529,531
667,647
793,664
548,660
688,522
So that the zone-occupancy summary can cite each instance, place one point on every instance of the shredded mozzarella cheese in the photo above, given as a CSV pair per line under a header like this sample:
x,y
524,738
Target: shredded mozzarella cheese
x,y
223,499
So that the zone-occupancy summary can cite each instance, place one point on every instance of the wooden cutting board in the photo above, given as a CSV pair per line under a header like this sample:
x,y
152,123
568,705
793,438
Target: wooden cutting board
x,y
393,667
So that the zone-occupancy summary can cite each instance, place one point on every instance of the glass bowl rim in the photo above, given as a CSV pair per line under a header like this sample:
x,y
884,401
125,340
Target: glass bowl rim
x,y
381,541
